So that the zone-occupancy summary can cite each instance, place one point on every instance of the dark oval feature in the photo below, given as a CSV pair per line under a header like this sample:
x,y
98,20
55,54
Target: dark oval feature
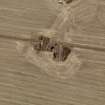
x,y
68,1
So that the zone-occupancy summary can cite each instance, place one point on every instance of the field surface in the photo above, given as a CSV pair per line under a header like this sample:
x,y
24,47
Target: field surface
x,y
22,83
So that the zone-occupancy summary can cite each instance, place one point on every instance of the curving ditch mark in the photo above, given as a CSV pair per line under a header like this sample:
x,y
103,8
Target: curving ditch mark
x,y
51,55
